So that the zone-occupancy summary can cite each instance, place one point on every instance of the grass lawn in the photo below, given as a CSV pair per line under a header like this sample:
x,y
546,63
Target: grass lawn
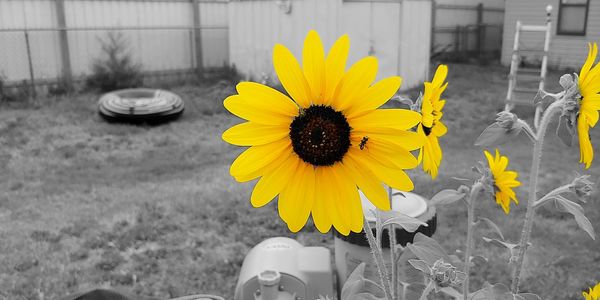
x,y
153,210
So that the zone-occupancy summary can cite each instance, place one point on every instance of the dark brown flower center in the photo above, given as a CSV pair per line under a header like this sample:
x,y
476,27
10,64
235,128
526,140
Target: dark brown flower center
x,y
320,135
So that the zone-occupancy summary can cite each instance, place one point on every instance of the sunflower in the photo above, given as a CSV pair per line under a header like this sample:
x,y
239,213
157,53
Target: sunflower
x,y
431,126
593,293
589,88
317,147
504,180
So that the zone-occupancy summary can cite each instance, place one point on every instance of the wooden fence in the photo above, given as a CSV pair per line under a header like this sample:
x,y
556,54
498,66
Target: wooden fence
x,y
43,40
467,30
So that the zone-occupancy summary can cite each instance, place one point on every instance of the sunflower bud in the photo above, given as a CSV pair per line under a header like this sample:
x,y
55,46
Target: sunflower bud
x,y
508,121
582,186
445,274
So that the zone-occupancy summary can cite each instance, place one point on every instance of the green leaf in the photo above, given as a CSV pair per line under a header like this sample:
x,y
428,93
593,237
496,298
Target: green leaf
x,y
427,249
495,135
363,296
493,226
409,224
358,284
565,130
452,293
420,265
577,211
445,197
500,291
413,291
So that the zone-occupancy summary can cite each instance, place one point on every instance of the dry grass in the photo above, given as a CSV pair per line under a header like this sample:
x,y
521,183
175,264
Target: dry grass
x,y
154,210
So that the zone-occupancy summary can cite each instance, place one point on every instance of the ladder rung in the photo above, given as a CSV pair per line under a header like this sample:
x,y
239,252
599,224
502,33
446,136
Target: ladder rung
x,y
534,28
525,90
532,51
529,77
529,70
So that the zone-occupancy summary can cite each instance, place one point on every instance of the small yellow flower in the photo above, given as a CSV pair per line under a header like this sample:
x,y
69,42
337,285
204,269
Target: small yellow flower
x,y
504,180
589,88
593,293
315,147
431,126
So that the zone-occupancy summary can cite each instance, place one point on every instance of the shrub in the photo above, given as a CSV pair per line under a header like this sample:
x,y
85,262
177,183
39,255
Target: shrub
x,y
116,68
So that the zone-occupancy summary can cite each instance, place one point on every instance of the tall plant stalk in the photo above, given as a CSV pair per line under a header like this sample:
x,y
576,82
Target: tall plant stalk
x,y
378,258
533,181
475,189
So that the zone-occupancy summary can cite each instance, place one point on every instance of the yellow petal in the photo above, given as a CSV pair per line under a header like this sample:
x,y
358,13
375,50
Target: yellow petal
x,y
313,62
291,76
354,83
267,98
335,66
393,177
250,134
297,198
439,129
251,110
585,145
320,212
271,184
593,51
367,182
375,96
440,75
259,156
386,121
349,204
332,192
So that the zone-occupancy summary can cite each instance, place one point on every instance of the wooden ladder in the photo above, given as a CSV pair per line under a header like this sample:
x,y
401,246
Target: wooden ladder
x,y
530,75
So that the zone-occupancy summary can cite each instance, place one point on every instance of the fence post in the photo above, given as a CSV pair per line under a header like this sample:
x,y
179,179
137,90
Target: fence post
x,y
64,44
198,38
457,39
30,62
479,28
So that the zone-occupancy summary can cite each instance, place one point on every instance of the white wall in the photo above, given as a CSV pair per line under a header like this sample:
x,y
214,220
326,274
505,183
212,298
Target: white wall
x,y
397,32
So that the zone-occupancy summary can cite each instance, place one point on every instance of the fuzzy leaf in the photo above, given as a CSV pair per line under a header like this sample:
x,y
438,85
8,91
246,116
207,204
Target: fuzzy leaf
x,y
413,291
427,249
357,284
527,296
495,135
445,197
409,224
363,296
420,265
565,130
500,243
493,226
452,293
479,260
577,211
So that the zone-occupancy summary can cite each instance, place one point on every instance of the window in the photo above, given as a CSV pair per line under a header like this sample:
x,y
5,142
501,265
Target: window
x,y
572,17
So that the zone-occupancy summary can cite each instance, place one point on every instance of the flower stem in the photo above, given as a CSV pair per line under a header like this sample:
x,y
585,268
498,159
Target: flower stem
x,y
427,290
475,189
378,257
533,179
392,235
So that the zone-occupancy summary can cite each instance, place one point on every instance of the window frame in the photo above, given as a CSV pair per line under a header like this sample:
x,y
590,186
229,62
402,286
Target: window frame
x,y
560,31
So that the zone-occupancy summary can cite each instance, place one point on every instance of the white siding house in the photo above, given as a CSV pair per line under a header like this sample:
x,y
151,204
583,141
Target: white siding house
x,y
575,23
